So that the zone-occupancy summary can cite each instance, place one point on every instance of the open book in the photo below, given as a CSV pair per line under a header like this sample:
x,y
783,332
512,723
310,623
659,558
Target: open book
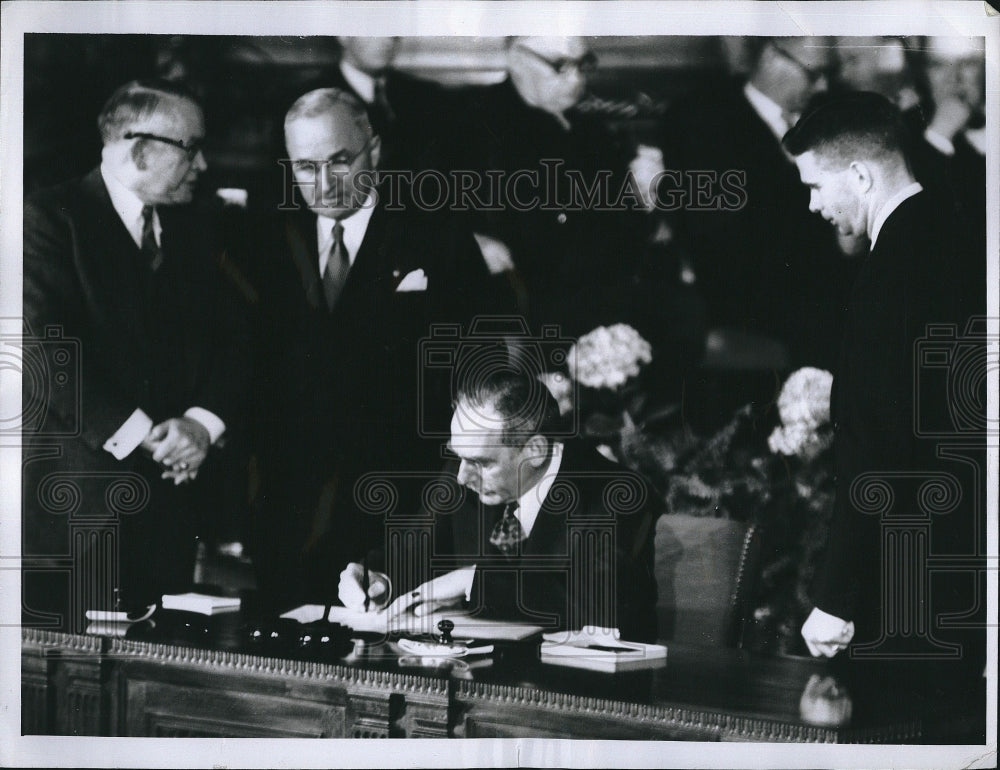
x,y
378,622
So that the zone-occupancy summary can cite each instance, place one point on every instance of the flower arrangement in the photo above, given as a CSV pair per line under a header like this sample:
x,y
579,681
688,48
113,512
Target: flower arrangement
x,y
608,356
804,408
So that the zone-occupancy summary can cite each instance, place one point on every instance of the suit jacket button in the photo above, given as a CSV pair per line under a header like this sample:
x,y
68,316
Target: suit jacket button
x,y
561,218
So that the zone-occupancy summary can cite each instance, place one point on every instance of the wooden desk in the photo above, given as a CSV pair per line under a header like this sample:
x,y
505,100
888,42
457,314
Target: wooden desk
x,y
217,687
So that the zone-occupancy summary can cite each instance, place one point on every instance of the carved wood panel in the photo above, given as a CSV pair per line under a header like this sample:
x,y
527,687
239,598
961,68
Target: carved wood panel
x,y
159,708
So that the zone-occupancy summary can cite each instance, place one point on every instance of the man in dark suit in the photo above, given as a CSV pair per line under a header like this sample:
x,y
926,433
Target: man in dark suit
x,y
571,260
115,264
352,282
764,265
850,156
555,534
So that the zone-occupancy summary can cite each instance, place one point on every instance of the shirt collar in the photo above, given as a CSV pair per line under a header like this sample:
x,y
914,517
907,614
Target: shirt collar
x,y
362,83
889,206
768,110
976,138
355,227
530,503
128,206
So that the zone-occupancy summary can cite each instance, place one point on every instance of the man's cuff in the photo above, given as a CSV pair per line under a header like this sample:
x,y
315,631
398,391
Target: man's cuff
x,y
470,575
940,143
129,435
211,423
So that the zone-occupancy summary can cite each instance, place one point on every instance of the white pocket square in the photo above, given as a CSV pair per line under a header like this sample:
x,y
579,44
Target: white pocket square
x,y
415,280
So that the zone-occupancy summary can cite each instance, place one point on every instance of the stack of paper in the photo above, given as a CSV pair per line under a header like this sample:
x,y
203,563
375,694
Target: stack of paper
x,y
203,604
600,649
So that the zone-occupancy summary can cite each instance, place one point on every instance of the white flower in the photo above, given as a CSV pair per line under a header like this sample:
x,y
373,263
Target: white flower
x,y
805,397
804,407
607,356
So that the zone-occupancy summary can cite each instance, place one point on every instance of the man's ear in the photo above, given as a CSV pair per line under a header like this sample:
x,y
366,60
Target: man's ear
x,y
375,150
537,449
138,154
861,175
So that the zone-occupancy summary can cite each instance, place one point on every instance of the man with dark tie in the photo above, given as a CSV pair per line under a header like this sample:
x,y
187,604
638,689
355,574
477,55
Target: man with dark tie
x,y
768,270
354,278
555,534
850,155
118,264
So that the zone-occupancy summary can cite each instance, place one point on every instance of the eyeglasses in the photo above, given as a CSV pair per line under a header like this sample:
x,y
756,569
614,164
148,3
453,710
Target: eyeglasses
x,y
563,64
190,149
813,74
339,167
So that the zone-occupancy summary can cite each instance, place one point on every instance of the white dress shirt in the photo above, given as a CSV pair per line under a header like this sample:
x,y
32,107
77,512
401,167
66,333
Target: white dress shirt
x,y
362,83
768,110
531,501
130,434
129,208
355,227
889,206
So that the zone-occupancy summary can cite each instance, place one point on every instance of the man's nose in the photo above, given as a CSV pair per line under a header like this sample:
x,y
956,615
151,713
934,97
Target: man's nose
x,y
464,471
200,164
814,203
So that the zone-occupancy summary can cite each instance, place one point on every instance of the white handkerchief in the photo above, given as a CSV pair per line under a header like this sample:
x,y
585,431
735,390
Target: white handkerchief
x,y
415,280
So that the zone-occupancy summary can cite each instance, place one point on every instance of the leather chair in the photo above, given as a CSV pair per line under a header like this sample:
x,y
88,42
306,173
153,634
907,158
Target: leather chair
x,y
706,569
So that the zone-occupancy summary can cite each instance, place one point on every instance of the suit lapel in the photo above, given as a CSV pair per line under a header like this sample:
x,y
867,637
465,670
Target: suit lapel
x,y
110,261
300,237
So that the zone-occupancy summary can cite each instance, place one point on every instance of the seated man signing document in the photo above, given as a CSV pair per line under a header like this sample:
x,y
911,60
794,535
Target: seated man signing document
x,y
555,534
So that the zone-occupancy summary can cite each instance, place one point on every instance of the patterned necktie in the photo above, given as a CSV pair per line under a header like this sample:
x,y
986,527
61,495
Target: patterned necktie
x,y
507,534
148,246
337,266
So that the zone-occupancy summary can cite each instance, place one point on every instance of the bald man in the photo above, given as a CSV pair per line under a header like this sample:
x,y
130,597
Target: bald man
x,y
120,269
354,281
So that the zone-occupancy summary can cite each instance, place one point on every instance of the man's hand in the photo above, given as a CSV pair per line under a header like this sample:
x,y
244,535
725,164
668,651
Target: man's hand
x,y
444,592
351,590
180,444
826,634
647,168
496,255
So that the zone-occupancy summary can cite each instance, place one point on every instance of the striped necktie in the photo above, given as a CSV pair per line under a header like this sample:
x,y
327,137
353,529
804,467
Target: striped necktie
x,y
337,267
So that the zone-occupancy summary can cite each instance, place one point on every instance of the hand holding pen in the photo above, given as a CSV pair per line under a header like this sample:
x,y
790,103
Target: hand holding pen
x,y
363,589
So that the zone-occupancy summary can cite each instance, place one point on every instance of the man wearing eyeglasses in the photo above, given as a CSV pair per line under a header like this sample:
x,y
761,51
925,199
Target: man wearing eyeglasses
x,y
355,275
535,526
565,251
768,270
118,263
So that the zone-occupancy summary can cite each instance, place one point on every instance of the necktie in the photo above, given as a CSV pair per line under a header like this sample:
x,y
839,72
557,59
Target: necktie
x,y
148,246
507,534
383,114
337,267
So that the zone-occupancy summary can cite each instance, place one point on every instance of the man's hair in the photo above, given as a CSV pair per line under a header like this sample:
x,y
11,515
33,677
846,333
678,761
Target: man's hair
x,y
525,404
856,126
135,102
324,100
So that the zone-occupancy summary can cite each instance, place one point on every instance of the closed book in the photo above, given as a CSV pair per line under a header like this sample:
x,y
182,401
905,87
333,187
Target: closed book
x,y
203,604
